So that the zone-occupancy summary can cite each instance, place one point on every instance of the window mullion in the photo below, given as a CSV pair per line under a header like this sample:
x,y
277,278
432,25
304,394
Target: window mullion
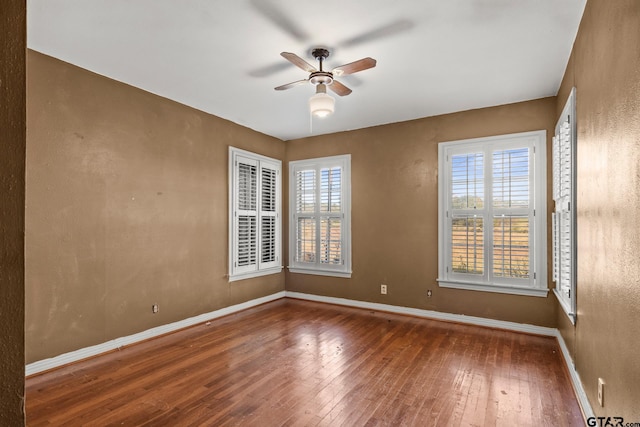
x,y
488,215
259,216
318,196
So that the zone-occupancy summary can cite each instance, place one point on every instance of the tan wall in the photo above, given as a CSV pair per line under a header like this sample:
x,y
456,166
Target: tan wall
x,y
604,68
395,212
12,187
127,205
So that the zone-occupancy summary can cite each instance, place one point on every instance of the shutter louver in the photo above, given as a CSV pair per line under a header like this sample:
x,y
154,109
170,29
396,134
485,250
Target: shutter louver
x,y
555,254
467,181
247,244
254,228
511,246
268,190
564,215
563,218
467,244
511,178
320,232
331,241
492,222
268,237
306,191
306,240
330,191
247,187
246,213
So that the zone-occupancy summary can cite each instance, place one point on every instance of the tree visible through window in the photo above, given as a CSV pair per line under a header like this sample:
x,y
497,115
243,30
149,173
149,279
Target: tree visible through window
x,y
488,218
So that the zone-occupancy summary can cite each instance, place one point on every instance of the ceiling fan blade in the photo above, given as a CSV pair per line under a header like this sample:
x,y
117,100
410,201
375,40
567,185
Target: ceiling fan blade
x,y
339,88
298,62
290,85
354,67
280,19
378,33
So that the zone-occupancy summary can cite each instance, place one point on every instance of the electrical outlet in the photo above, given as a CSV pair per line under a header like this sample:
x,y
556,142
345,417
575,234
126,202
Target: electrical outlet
x,y
601,391
429,293
383,289
155,308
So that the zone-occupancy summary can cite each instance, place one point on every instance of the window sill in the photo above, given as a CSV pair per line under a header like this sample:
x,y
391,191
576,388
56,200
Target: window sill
x,y
502,289
570,314
252,274
317,272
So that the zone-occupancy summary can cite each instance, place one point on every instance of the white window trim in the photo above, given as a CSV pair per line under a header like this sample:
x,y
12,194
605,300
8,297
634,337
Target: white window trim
x,y
538,284
568,304
234,275
344,162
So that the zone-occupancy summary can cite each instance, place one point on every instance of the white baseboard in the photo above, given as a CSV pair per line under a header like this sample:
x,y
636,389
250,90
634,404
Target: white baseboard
x,y
587,411
429,314
481,321
94,350
83,353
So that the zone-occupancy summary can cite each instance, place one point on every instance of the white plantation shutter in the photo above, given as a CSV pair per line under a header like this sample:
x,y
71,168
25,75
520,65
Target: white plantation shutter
x,y
268,217
305,210
254,223
246,215
320,231
331,215
564,213
489,235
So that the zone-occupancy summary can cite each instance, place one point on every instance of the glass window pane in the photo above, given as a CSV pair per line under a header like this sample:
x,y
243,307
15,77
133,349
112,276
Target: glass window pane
x,y
331,241
467,181
306,240
467,244
306,191
330,189
511,178
511,246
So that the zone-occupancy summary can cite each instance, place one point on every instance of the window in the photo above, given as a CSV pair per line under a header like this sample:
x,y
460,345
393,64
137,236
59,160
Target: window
x,y
492,214
564,216
320,226
254,209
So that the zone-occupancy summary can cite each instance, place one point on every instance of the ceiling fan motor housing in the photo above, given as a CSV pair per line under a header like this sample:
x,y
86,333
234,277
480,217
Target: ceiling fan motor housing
x,y
320,77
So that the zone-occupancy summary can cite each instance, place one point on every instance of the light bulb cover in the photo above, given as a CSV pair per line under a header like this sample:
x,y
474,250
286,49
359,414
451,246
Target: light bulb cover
x,y
321,104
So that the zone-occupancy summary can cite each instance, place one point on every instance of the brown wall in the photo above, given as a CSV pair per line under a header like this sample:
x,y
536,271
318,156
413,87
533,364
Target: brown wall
x,y
394,179
604,68
127,205
12,187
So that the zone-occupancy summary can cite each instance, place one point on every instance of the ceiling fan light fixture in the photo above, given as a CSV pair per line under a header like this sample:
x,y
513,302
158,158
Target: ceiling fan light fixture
x,y
321,104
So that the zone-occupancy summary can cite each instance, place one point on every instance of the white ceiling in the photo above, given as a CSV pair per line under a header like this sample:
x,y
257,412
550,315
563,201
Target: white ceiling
x,y
223,56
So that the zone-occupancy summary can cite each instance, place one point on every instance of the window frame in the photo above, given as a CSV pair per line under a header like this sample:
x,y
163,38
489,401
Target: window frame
x,y
317,268
565,207
536,283
260,268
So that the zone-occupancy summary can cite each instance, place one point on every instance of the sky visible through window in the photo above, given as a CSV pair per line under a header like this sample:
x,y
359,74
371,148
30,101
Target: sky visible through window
x,y
509,188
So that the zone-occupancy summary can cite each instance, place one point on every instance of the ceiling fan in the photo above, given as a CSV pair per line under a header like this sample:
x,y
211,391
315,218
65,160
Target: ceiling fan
x,y
322,104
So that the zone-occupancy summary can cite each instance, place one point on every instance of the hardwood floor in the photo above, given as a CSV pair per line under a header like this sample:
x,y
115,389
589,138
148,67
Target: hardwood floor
x,y
292,362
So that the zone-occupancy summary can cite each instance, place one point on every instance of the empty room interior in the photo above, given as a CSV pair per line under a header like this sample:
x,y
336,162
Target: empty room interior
x,y
269,212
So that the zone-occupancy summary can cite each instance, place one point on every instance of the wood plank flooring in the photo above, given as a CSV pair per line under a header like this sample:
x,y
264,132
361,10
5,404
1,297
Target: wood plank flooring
x,y
298,363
